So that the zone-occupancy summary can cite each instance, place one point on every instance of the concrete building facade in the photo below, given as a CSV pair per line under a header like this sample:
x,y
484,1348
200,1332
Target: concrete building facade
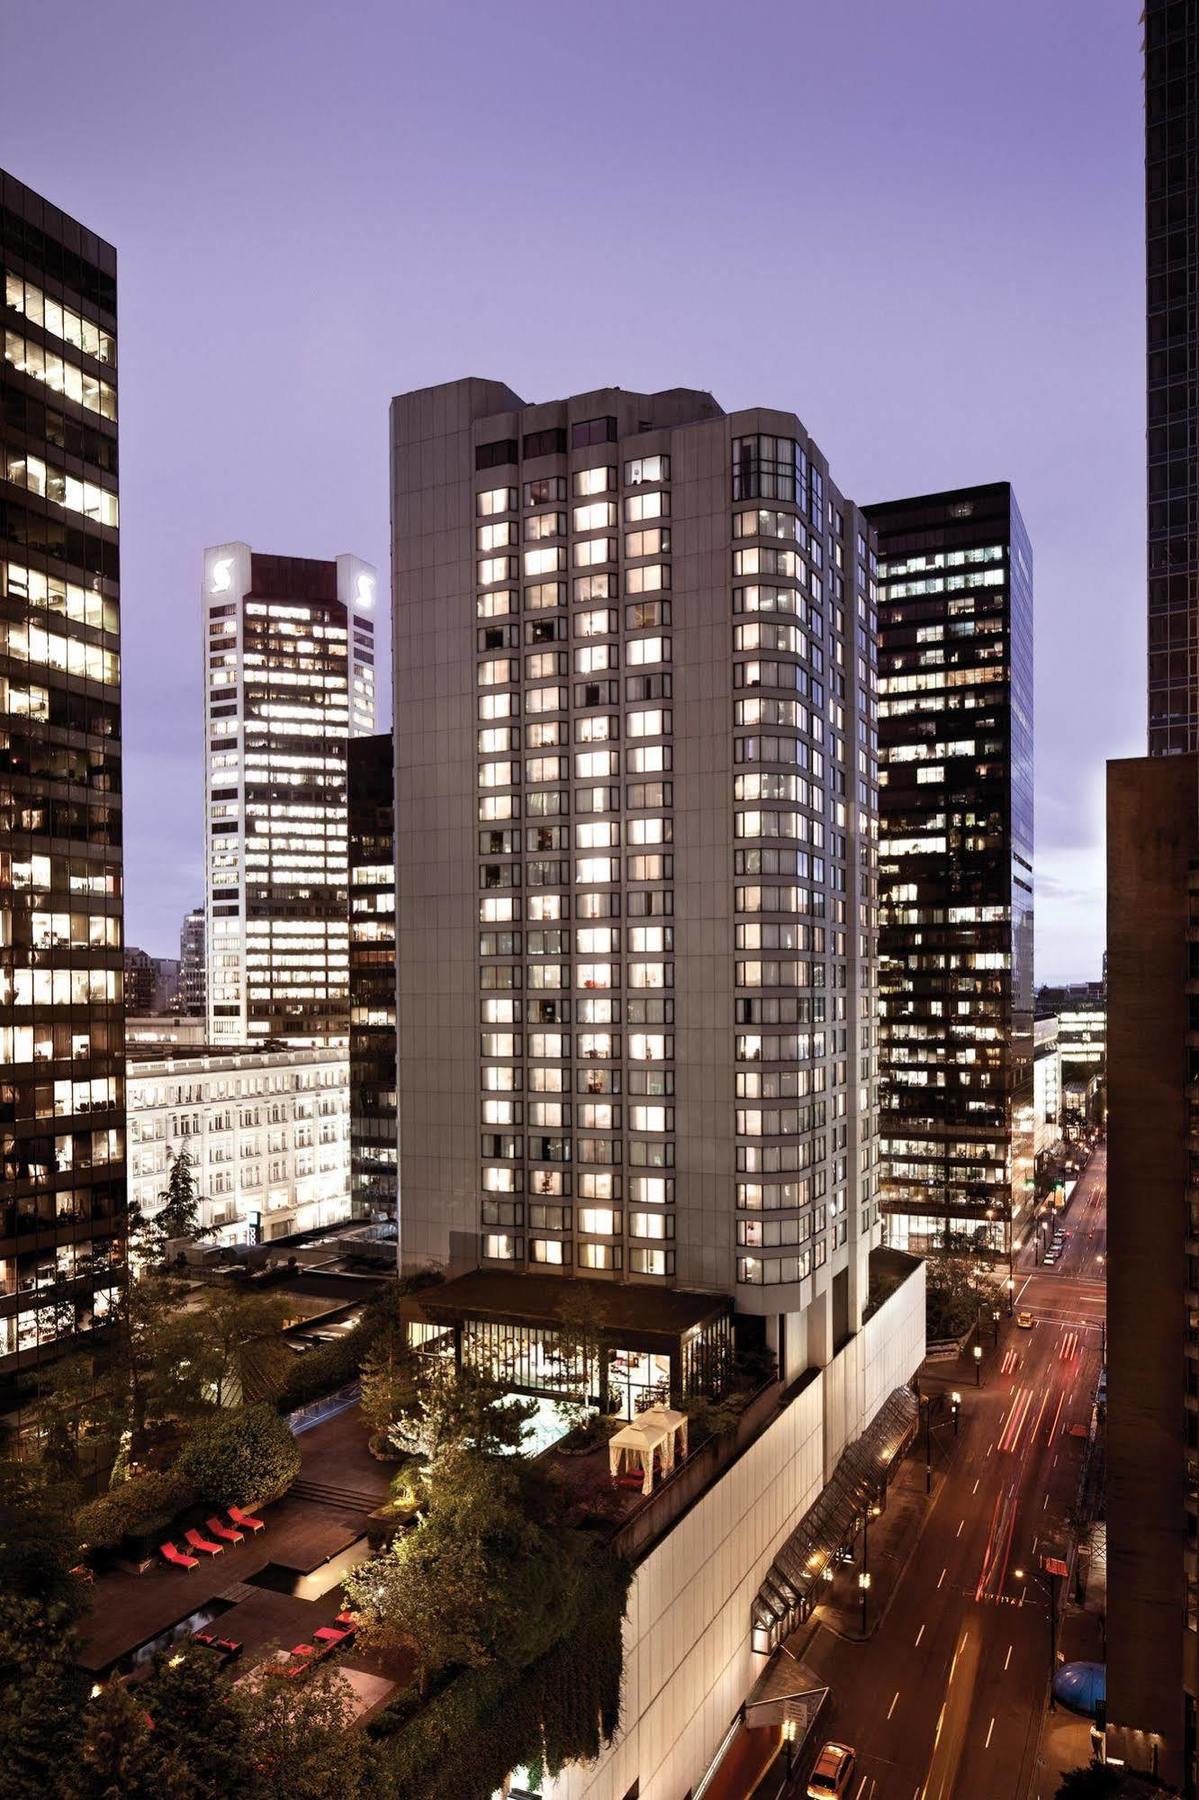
x,y
634,676
267,1127
1153,1262
288,680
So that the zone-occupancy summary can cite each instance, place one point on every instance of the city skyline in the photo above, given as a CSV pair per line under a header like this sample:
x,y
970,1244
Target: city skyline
x,y
964,369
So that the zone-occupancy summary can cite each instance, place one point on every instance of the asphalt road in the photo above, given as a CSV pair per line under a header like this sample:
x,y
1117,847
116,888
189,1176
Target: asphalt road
x,y
946,1700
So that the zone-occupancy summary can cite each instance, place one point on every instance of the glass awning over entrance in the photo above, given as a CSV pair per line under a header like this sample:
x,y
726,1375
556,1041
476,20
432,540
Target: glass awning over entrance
x,y
862,1472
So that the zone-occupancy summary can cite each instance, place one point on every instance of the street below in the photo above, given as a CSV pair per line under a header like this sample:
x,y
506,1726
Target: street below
x,y
947,1698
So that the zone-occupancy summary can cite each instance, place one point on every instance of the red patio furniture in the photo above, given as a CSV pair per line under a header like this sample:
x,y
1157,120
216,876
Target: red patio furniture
x,y
224,1531
177,1557
246,1520
202,1543
329,1635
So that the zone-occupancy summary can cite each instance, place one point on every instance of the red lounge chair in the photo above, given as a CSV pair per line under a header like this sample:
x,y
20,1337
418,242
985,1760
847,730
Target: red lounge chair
x,y
177,1557
224,1531
246,1520
202,1543
347,1619
329,1635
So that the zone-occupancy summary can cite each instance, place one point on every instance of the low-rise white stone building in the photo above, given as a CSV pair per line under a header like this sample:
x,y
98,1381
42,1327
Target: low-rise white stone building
x,y
268,1129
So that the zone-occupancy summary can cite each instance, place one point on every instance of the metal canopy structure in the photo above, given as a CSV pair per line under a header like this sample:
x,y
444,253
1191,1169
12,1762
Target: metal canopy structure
x,y
862,1472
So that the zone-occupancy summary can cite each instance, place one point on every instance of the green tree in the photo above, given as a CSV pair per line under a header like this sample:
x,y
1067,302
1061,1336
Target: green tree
x,y
481,1577
241,1340
581,1343
298,1740
180,1213
42,1693
177,1736
389,1387
41,1685
242,1455
958,1281
76,1418
460,1409
1099,1782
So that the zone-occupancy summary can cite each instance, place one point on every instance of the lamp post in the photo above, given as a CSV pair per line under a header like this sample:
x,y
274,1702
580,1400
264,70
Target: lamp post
x,y
864,1584
955,1400
978,1364
995,1325
789,1736
1011,1289
1049,1575
928,1443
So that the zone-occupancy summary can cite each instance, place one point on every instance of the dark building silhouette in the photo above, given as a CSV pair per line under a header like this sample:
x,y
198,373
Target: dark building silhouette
x,y
955,866
1153,979
62,1186
1171,305
373,1154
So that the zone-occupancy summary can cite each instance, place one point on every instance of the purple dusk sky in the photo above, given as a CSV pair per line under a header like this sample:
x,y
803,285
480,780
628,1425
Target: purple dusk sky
x,y
918,223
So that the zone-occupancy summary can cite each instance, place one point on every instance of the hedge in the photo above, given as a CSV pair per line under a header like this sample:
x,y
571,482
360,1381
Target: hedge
x,y
244,1456
324,1370
132,1509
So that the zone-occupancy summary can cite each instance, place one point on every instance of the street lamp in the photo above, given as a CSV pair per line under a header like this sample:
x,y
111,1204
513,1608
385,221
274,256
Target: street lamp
x,y
995,1323
978,1359
1011,1289
864,1584
955,1400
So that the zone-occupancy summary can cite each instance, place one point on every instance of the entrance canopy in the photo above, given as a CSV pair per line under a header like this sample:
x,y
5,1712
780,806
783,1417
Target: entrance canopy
x,y
785,1597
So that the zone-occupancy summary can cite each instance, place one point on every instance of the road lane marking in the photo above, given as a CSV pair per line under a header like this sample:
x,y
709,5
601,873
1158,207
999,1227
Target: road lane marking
x,y
990,1729
990,1446
1007,1659
940,1722
974,1489
893,1704
944,1573
958,1532
920,1634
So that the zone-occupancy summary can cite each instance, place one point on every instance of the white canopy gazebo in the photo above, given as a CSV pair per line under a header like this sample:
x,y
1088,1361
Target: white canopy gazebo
x,y
673,1422
634,1446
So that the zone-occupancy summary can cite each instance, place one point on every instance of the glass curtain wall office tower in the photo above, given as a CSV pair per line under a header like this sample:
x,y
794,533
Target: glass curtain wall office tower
x,y
372,978
288,680
62,1105
636,815
955,867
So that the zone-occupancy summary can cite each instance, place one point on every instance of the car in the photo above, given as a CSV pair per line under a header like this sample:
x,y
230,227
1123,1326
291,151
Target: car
x,y
1049,1258
1024,1319
832,1772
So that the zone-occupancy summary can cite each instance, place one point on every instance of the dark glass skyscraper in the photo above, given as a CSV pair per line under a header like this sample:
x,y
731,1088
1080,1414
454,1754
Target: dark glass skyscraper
x,y
373,1175
1172,306
62,1103
955,866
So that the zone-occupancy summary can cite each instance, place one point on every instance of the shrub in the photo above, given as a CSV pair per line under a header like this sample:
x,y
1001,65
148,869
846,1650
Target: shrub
x,y
323,1371
245,1456
132,1509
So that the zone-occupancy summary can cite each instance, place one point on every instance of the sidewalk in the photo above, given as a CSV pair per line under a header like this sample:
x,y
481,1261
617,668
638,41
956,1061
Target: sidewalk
x,y
1066,1736
892,1538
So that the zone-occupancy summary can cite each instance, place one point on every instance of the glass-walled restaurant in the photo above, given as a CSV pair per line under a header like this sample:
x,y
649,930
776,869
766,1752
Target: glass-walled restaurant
x,y
643,1346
